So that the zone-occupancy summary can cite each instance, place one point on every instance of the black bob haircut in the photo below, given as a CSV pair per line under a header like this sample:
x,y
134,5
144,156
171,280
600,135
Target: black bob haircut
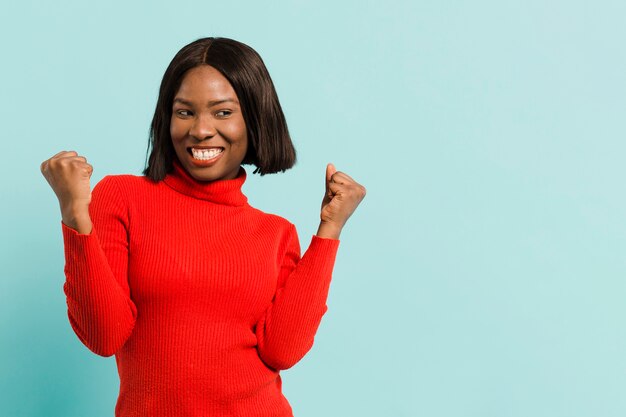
x,y
269,145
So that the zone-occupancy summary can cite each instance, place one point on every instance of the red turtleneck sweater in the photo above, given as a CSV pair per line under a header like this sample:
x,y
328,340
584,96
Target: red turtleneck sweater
x,y
201,298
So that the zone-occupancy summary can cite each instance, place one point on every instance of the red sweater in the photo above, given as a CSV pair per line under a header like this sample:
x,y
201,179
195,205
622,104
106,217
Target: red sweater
x,y
201,298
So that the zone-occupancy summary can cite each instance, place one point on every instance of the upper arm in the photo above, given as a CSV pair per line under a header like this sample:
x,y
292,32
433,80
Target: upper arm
x,y
289,254
109,214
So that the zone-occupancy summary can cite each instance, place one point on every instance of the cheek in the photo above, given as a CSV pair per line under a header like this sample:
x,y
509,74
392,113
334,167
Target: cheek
x,y
240,132
177,130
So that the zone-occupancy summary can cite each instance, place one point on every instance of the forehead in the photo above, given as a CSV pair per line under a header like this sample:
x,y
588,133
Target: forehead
x,y
205,82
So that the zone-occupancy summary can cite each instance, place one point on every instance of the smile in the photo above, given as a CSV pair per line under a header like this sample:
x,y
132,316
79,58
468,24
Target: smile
x,y
205,154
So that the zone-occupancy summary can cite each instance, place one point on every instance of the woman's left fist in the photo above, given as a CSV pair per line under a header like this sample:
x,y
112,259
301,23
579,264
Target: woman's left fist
x,y
343,195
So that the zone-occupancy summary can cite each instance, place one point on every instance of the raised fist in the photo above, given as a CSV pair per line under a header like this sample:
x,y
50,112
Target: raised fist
x,y
68,174
343,195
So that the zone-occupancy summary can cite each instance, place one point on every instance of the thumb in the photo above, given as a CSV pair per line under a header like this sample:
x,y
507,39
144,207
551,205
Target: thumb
x,y
330,170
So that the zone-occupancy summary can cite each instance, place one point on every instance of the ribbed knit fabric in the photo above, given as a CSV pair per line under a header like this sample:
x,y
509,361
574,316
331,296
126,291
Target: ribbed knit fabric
x,y
201,298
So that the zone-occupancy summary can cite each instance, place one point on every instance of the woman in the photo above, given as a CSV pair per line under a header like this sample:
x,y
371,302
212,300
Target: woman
x,y
201,298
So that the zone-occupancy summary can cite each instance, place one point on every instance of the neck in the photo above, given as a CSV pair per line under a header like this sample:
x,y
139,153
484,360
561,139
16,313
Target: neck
x,y
226,192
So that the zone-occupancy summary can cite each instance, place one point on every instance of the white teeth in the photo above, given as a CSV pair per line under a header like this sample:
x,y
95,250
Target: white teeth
x,y
206,154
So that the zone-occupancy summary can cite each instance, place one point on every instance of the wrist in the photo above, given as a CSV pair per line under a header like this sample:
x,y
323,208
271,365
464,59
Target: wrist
x,y
329,230
77,217
73,209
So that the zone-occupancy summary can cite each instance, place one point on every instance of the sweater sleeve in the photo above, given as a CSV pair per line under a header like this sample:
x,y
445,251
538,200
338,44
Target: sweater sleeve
x,y
286,331
100,309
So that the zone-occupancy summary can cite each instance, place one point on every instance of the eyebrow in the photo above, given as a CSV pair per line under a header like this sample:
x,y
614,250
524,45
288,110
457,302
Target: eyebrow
x,y
210,103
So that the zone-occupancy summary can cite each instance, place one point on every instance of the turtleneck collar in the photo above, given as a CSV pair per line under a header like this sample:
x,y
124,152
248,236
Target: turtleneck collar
x,y
227,192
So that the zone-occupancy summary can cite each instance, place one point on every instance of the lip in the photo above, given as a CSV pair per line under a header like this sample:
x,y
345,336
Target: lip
x,y
209,162
204,147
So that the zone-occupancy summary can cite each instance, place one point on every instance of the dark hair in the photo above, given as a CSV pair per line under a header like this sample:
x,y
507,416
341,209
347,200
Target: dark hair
x,y
269,145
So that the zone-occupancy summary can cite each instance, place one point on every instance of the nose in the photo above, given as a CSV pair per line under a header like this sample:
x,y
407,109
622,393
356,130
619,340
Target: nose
x,y
202,128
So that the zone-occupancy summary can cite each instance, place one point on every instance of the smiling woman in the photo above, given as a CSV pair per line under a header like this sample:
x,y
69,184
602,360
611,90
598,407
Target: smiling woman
x,y
207,128
229,70
202,313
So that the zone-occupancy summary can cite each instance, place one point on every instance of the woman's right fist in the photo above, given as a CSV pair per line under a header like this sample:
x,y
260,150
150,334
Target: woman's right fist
x,y
68,174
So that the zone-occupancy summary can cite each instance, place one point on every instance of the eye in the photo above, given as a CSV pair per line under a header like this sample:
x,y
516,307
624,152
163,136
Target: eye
x,y
183,113
223,113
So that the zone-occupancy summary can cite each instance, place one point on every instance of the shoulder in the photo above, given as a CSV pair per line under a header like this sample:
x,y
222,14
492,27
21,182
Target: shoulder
x,y
122,190
270,218
125,183
277,229
274,222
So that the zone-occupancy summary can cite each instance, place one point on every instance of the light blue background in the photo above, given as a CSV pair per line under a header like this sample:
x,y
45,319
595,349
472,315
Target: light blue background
x,y
484,274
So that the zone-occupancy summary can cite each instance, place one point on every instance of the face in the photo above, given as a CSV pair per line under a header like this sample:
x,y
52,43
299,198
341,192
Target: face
x,y
207,127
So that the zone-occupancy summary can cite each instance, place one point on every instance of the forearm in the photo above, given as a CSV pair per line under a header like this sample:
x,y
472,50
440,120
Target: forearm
x,y
100,310
286,332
